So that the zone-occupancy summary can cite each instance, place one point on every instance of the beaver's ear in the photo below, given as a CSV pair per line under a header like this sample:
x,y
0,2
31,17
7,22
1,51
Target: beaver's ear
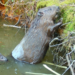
x,y
40,14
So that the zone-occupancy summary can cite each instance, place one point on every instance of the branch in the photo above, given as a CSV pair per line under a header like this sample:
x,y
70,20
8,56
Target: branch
x,y
11,26
51,70
68,39
57,44
67,69
55,65
32,73
65,24
18,21
4,4
70,65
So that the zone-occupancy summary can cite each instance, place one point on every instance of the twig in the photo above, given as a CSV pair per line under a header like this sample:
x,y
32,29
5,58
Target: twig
x,y
18,21
65,24
53,40
37,73
56,44
11,26
69,63
51,70
4,4
66,70
55,65
68,37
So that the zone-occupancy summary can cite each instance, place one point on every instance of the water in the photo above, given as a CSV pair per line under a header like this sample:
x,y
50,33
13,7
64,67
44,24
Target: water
x,y
8,41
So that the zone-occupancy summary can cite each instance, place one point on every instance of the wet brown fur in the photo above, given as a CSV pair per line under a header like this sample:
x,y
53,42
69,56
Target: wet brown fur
x,y
36,40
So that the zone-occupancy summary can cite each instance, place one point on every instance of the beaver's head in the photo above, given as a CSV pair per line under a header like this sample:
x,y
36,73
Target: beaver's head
x,y
51,12
2,58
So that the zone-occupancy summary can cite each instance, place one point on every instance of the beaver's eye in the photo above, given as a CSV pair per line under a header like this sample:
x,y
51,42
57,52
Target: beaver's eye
x,y
40,14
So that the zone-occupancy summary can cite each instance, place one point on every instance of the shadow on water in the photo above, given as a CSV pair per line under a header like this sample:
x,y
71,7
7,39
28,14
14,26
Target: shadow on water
x,y
8,41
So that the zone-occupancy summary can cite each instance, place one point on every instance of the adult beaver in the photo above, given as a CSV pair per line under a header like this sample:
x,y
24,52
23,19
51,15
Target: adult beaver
x,y
3,58
35,43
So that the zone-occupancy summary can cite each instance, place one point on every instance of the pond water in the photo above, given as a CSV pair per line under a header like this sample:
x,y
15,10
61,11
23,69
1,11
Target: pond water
x,y
8,41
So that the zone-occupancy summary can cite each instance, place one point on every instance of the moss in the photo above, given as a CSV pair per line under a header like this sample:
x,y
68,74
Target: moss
x,y
43,3
68,2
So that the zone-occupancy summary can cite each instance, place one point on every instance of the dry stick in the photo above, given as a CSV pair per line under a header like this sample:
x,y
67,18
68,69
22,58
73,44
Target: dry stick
x,y
67,69
11,26
15,26
61,39
31,73
18,21
65,24
51,70
55,65
56,44
73,50
5,4
69,64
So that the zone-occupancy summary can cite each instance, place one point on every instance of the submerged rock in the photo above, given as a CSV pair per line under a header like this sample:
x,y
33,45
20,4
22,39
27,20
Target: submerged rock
x,y
35,43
